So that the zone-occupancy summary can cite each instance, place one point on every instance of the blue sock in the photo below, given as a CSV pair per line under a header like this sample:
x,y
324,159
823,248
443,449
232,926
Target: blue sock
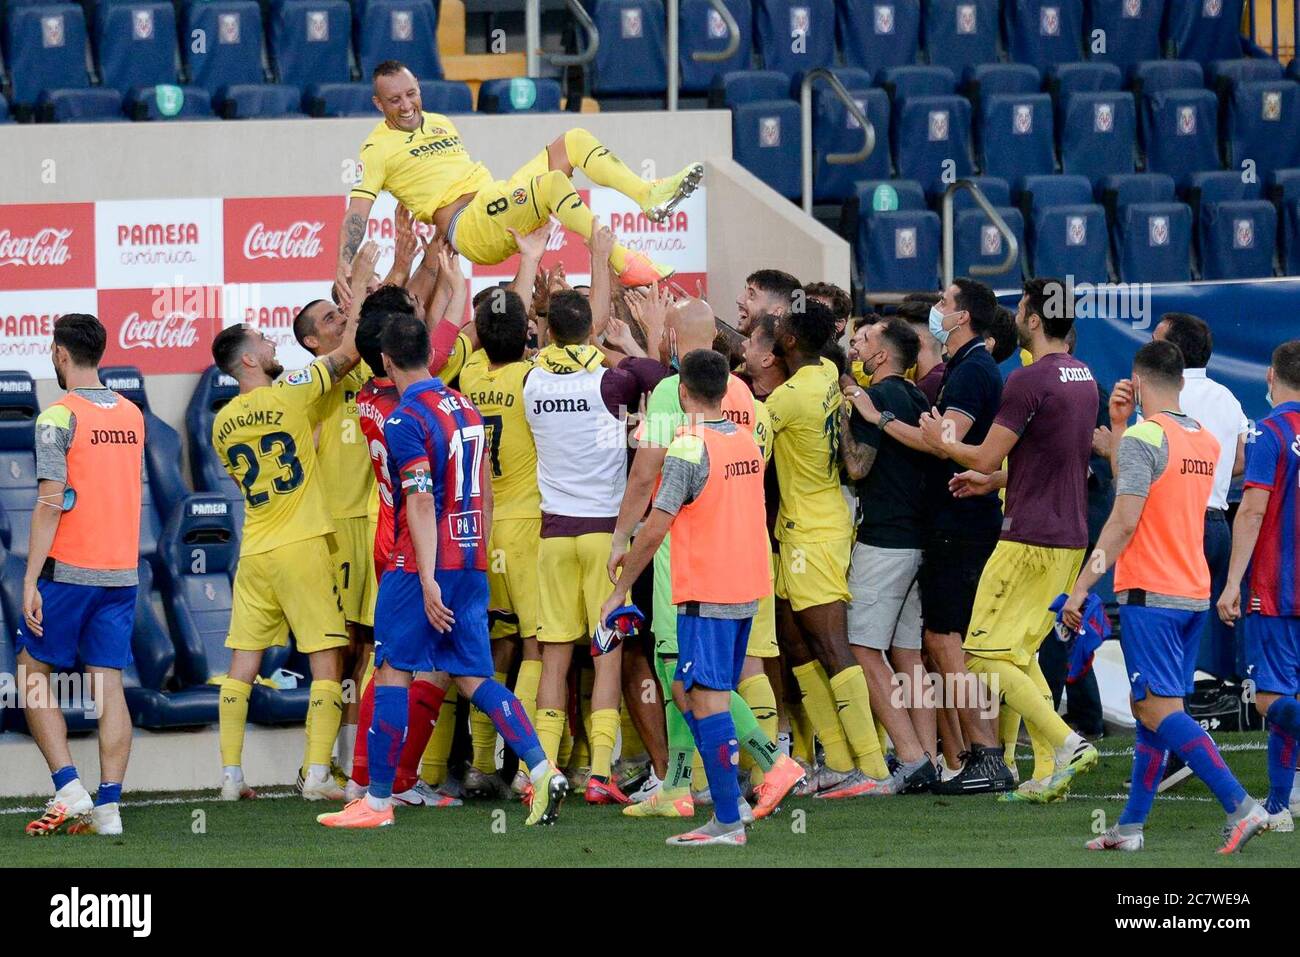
x,y
1283,729
1183,736
720,752
1149,756
386,737
110,792
496,701
65,775
689,718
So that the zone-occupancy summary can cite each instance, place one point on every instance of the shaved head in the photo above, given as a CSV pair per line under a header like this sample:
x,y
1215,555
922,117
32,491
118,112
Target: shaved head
x,y
691,325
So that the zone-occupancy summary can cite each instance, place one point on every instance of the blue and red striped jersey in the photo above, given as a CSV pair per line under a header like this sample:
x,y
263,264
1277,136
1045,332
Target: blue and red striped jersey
x,y
1273,464
436,444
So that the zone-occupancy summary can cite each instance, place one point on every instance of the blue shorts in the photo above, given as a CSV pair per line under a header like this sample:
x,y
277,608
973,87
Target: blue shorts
x,y
1160,648
90,623
1273,653
711,651
405,640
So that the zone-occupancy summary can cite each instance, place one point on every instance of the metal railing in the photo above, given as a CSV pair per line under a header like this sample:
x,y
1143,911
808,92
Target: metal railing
x,y
976,269
805,119
699,56
534,53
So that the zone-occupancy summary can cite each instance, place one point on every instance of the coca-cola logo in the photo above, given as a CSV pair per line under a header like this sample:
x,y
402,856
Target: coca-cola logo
x,y
172,331
48,247
299,240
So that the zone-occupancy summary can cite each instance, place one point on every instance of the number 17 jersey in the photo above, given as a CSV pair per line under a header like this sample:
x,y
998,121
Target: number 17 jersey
x,y
436,445
264,440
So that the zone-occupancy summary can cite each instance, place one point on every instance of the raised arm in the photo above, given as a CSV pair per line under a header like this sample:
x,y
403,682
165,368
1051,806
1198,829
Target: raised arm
x,y
601,245
351,234
405,245
532,246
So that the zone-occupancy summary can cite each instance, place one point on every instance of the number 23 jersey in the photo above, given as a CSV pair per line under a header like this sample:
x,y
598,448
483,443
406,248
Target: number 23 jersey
x,y
264,440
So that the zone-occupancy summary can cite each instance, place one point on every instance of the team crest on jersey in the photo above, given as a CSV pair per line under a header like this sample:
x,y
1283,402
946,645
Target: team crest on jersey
x,y
402,28
1022,119
52,31
142,24
938,125
1186,120
1076,230
1158,230
520,196
990,241
965,18
1243,233
318,26
228,28
1132,9
1049,21
800,19
769,131
1273,105
1103,117
300,377
905,243
884,19
1211,8
631,23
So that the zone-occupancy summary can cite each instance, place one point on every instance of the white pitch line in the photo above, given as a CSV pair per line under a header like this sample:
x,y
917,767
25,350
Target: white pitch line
x,y
1123,796
156,802
1244,746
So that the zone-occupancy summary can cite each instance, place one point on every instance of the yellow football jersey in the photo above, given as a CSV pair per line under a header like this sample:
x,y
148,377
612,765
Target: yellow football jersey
x,y
425,169
499,396
763,429
805,411
460,353
341,450
264,439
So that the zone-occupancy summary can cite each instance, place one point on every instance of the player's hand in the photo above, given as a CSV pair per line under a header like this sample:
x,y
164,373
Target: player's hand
x,y
1122,404
856,396
405,243
617,556
932,429
557,281
612,604
363,269
33,609
970,483
654,316
618,334
1229,605
601,242
1072,612
449,266
343,285
1102,437
533,245
439,615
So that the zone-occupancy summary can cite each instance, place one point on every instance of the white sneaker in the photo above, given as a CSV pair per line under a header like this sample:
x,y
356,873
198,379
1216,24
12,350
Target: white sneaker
x,y
1113,840
520,785
235,789
422,795
703,798
746,813
104,819
1282,822
321,788
352,790
649,789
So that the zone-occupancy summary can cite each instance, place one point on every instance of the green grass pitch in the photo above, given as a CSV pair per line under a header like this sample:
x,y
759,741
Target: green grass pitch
x,y
920,831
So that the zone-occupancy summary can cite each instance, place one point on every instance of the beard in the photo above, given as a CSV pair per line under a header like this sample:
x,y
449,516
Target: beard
x,y
58,375
273,369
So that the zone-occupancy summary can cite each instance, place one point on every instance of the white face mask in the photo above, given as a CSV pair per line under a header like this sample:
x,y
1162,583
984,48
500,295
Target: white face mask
x,y
1269,396
936,325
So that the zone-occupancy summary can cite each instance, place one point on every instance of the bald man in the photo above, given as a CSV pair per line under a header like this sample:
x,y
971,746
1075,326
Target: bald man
x,y
690,326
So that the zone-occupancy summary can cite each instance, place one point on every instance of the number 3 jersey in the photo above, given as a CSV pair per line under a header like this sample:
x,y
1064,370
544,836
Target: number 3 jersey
x,y
436,445
264,440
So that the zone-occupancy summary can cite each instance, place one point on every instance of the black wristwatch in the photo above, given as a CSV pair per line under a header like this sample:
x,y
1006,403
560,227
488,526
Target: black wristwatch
x,y
885,419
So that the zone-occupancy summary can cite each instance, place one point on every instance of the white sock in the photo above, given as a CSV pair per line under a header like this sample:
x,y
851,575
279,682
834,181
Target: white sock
x,y
378,803
318,772
783,742
72,792
233,771
347,743
536,774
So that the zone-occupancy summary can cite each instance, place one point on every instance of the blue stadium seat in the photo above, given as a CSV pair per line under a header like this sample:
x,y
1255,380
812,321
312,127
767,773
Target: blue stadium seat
x,y
18,411
995,189
976,241
339,99
1125,189
1039,193
4,110
1043,32
928,132
1099,135
213,390
702,30
1070,240
878,33
309,41
1220,186
169,103
45,48
1224,75
1293,69
961,33
359,8
899,251
853,78
97,104
766,140
519,95
781,26
261,101
1291,238
1262,126
405,30
1284,185
900,82
989,79
836,131
749,86
1180,132
1066,79
1153,76
1237,239
1154,243
1016,136
1131,28
1203,30
165,483
448,97
232,51
630,58
136,45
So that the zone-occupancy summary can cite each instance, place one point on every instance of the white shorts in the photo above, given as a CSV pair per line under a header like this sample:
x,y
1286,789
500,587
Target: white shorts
x,y
885,611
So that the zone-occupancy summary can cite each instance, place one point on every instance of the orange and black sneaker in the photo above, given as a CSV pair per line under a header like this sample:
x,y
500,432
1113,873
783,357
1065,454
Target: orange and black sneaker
x,y
57,815
778,782
357,815
604,792
639,270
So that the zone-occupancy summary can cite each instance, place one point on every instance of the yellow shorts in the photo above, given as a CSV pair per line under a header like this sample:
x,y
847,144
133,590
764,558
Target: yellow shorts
x,y
574,584
289,587
480,232
1010,617
512,575
813,573
762,634
355,561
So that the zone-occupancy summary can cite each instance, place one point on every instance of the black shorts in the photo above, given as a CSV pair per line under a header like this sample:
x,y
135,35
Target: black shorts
x,y
949,577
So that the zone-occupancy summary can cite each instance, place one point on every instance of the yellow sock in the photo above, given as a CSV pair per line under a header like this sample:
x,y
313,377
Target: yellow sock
x,y
483,734
602,167
530,674
433,765
549,724
633,747
853,702
565,757
323,716
699,780
232,716
801,739
1044,756
1008,732
1016,689
604,729
306,744
758,694
557,193
819,702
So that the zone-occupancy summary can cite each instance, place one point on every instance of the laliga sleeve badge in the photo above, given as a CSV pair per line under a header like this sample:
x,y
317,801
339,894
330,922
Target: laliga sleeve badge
x,y
625,622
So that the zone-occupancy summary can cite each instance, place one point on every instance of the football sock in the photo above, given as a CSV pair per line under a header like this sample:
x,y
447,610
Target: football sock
x,y
323,716
232,715
1044,755
110,792
819,703
365,714
424,702
681,743
603,731
1149,756
758,746
496,701
801,737
1281,754
1182,735
557,193
602,167
1008,732
882,735
433,769
565,755
758,694
387,733
530,674
715,736
1017,690
484,736
550,729
66,775
853,703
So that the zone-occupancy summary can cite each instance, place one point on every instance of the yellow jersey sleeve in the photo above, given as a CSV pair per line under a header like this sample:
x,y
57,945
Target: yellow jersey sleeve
x,y
344,457
305,390
805,412
460,353
374,168
763,429
498,394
